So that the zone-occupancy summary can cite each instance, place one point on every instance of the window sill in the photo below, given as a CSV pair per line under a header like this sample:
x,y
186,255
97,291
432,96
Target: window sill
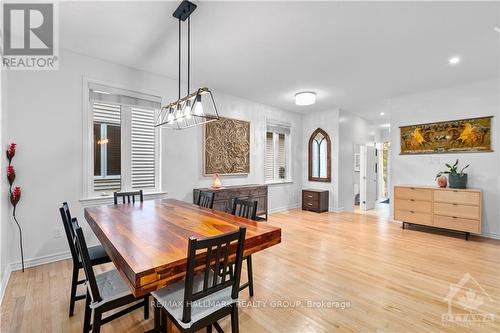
x,y
276,182
108,200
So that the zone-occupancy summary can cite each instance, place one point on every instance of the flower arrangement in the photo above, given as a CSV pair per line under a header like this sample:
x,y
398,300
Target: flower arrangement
x,y
14,194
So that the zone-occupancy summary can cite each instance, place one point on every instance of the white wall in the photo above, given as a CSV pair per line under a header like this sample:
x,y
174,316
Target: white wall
x,y
8,235
329,122
473,100
45,119
189,144
353,131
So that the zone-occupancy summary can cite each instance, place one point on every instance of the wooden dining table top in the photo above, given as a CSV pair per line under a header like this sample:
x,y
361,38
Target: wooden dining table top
x,y
148,241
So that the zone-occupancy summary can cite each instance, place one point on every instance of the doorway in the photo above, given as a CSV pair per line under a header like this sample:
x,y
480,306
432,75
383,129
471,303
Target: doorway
x,y
373,198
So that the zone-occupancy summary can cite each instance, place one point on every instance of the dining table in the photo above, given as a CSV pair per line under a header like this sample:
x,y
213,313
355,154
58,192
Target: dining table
x,y
148,241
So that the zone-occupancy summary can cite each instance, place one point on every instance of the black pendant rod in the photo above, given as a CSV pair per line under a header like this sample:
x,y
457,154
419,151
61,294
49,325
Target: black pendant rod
x,y
179,58
189,51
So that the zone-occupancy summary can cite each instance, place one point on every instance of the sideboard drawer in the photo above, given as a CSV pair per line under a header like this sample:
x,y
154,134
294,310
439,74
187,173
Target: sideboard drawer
x,y
456,210
310,196
413,217
457,223
413,205
413,193
458,197
314,204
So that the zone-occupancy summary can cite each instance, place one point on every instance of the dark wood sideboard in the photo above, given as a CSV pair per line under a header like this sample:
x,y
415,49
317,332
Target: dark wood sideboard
x,y
315,200
225,195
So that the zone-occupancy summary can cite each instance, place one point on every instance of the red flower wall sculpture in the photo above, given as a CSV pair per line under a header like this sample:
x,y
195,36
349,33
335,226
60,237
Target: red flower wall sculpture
x,y
14,195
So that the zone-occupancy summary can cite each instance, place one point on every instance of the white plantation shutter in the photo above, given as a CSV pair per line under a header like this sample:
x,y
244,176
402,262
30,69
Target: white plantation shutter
x,y
105,113
281,155
143,152
269,156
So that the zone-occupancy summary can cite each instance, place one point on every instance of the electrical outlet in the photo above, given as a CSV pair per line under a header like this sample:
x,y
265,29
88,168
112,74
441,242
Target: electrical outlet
x,y
58,232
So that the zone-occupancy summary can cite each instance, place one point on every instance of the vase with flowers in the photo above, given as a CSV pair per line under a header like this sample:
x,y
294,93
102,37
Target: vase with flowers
x,y
456,178
14,195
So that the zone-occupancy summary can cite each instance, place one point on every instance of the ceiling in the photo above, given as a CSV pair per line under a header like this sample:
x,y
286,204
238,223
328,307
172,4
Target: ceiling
x,y
350,53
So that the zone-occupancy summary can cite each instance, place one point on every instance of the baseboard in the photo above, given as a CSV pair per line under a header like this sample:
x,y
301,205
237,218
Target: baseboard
x,y
336,209
490,235
15,266
284,208
4,282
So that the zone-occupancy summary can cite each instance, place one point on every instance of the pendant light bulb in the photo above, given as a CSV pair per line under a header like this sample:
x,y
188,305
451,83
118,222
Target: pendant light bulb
x,y
178,113
187,110
198,107
170,116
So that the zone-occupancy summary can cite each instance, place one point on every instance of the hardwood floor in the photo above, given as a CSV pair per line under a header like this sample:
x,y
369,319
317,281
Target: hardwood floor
x,y
392,280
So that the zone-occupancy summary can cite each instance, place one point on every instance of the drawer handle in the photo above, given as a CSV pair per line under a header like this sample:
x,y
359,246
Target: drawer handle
x,y
309,196
454,204
455,217
309,204
411,211
412,199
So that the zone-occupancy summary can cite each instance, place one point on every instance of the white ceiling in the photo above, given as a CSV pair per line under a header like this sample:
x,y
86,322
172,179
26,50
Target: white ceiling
x,y
350,53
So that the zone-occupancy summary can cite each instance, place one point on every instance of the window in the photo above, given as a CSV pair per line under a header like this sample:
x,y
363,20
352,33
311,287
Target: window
x,y
319,156
124,154
277,163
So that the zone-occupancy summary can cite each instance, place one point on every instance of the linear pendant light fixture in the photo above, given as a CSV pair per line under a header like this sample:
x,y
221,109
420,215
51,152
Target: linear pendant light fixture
x,y
195,108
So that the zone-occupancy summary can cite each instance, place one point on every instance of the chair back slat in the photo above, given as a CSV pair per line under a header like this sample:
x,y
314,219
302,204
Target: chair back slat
x,y
68,230
81,245
244,208
206,199
218,251
127,197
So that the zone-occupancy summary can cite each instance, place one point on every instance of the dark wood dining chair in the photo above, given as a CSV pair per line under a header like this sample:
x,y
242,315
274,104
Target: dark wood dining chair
x,y
206,199
185,302
97,256
127,197
105,291
246,209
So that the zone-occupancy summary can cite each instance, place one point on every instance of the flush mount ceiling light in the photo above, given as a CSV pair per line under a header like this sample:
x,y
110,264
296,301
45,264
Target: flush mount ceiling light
x,y
382,113
454,60
195,108
305,98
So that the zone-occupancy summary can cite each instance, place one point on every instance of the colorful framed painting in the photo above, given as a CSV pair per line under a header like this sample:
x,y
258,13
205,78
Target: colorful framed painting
x,y
456,136
227,147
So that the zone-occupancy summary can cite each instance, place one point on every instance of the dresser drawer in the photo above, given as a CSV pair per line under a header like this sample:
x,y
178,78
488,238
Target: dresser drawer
x,y
458,197
310,204
413,217
456,210
413,205
310,196
414,193
457,223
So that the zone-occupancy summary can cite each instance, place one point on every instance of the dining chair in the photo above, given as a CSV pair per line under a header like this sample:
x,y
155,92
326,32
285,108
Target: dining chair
x,y
105,291
246,209
185,302
97,256
129,196
206,199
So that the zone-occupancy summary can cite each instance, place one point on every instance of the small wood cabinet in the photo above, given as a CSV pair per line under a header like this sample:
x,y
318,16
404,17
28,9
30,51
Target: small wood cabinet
x,y
447,208
225,195
315,200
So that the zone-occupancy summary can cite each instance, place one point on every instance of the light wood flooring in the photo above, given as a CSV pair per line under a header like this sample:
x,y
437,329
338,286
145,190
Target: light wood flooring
x,y
392,280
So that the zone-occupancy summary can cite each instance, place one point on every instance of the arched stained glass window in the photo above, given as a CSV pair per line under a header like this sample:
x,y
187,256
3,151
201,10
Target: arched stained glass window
x,y
319,156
